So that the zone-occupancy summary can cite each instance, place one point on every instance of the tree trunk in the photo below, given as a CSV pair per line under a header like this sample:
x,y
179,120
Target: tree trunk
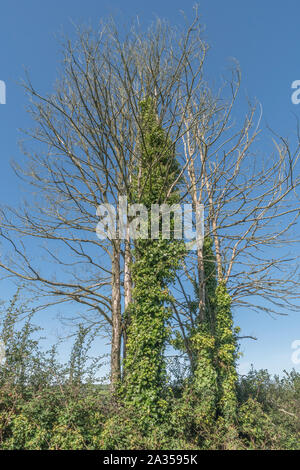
x,y
116,318
201,283
127,290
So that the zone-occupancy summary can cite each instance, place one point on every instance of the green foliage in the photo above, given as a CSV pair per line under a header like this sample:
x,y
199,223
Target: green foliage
x,y
47,405
215,349
226,350
157,165
156,262
203,345
43,404
205,375
210,277
269,414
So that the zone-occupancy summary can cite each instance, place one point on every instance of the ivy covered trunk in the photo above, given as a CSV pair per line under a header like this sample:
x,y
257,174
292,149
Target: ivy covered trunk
x,y
226,345
153,269
148,331
215,347
203,341
127,290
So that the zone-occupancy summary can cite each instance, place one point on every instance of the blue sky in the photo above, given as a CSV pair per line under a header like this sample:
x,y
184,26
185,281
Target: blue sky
x,y
263,36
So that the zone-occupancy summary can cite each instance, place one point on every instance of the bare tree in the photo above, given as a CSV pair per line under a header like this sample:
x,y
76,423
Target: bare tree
x,y
86,151
252,209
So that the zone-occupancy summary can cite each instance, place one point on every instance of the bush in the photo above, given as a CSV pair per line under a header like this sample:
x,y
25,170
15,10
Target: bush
x,y
48,405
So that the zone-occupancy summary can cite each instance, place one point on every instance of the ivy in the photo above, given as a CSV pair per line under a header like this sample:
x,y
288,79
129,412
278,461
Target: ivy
x,y
215,346
205,380
153,270
226,345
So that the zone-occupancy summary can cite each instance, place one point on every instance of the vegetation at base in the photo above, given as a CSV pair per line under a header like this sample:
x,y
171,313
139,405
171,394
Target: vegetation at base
x,y
48,405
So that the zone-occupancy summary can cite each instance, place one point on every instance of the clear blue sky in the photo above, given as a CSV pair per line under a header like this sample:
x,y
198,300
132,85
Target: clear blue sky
x,y
263,36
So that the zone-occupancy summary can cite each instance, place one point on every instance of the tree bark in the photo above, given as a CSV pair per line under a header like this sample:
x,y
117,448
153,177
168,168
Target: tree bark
x,y
116,318
127,290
